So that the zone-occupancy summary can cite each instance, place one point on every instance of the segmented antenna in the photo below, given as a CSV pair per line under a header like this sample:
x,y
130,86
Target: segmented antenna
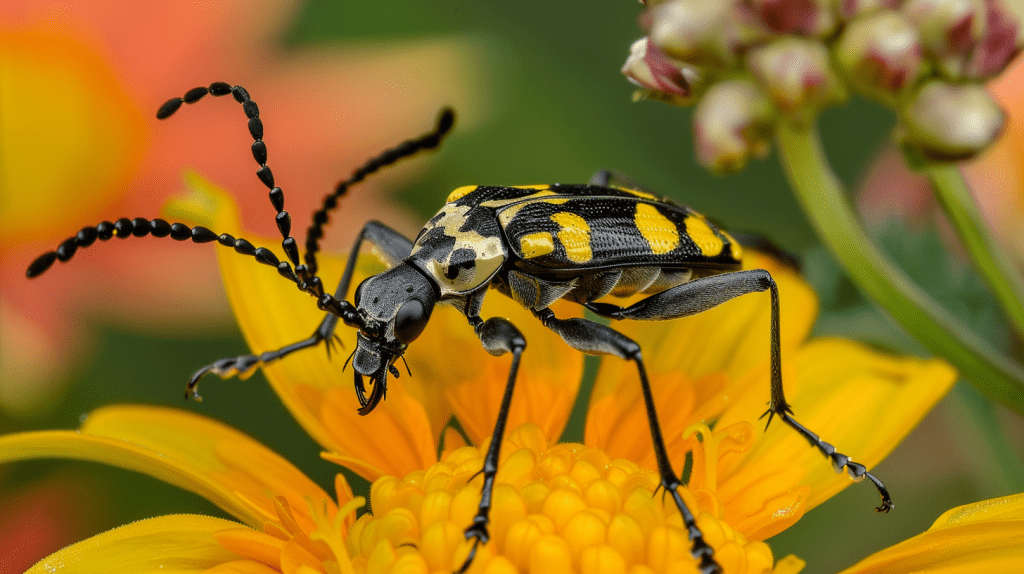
x,y
308,281
445,121
140,227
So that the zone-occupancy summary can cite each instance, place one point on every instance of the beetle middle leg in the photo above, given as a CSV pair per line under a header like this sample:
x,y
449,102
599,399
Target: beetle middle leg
x,y
596,339
390,244
498,337
707,292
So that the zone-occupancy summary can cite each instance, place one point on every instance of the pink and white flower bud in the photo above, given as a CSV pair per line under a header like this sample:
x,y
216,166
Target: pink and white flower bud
x,y
732,123
803,17
880,55
692,31
949,29
1001,43
797,73
847,10
951,121
666,79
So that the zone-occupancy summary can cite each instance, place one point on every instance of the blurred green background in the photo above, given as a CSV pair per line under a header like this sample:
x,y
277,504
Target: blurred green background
x,y
549,105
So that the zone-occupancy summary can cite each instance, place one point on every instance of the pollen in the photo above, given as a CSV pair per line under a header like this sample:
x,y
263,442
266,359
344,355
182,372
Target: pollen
x,y
555,508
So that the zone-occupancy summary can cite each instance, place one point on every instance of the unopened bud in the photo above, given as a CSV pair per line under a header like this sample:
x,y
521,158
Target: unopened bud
x,y
732,123
880,55
1001,43
949,29
847,10
951,121
665,78
691,31
804,17
797,74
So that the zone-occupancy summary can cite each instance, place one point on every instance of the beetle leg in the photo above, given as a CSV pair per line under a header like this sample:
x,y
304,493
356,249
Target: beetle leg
x,y
390,244
498,337
705,293
597,339
614,178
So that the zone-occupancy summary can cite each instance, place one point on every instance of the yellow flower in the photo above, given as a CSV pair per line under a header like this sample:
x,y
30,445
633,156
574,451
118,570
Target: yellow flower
x,y
557,507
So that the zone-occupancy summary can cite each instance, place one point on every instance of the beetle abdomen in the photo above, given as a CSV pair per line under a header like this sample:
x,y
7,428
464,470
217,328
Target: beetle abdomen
x,y
550,230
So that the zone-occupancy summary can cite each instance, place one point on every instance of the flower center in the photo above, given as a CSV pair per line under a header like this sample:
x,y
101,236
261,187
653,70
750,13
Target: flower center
x,y
555,508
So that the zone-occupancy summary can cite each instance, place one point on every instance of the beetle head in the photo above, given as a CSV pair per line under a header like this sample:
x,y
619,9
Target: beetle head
x,y
395,307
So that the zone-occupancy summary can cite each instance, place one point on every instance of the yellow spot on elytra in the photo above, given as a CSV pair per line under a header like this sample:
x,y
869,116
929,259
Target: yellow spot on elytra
x,y
461,192
574,236
735,249
536,244
710,244
515,205
661,234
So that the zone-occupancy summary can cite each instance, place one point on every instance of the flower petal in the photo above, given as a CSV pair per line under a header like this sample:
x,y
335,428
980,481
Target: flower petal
x,y
165,544
733,339
320,396
981,537
858,399
311,383
474,381
198,454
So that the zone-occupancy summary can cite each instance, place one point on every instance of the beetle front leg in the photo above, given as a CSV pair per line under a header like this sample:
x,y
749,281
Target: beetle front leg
x,y
392,247
498,337
705,293
596,339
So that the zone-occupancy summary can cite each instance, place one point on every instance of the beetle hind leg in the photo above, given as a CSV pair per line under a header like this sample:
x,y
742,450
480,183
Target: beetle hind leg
x,y
705,293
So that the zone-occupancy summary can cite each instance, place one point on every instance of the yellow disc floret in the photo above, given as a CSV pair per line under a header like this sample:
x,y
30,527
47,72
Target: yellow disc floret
x,y
560,508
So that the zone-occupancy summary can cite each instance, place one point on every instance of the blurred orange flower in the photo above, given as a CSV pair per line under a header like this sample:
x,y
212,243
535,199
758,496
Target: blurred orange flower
x,y
81,85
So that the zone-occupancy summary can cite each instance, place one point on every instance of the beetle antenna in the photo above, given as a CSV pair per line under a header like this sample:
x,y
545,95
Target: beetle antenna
x,y
308,281
430,140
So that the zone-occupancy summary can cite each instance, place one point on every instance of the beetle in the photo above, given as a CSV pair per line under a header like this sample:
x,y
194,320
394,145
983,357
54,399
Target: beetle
x,y
535,244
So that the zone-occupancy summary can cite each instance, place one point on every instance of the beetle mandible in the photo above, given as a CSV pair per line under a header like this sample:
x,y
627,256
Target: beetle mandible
x,y
535,244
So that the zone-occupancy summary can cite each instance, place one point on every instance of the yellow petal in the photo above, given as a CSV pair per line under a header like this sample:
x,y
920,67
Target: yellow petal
x,y
166,544
862,401
474,381
984,537
731,340
320,396
198,454
273,313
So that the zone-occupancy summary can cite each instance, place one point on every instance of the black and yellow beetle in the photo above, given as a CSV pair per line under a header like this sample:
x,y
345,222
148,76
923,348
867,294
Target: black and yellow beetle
x,y
535,244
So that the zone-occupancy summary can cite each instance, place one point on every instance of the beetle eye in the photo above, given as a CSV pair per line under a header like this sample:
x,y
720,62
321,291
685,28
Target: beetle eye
x,y
410,321
359,291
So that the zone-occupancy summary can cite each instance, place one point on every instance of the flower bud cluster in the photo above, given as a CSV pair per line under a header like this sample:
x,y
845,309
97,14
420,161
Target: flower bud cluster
x,y
749,63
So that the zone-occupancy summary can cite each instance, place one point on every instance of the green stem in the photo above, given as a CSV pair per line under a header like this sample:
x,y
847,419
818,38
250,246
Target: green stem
x,y
822,197
960,207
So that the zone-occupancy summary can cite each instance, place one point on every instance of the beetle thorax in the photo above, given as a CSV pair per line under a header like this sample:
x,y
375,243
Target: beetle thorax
x,y
461,247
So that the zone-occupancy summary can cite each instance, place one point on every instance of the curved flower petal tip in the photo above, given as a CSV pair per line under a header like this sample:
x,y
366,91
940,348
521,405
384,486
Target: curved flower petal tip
x,y
862,401
981,537
198,454
167,545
